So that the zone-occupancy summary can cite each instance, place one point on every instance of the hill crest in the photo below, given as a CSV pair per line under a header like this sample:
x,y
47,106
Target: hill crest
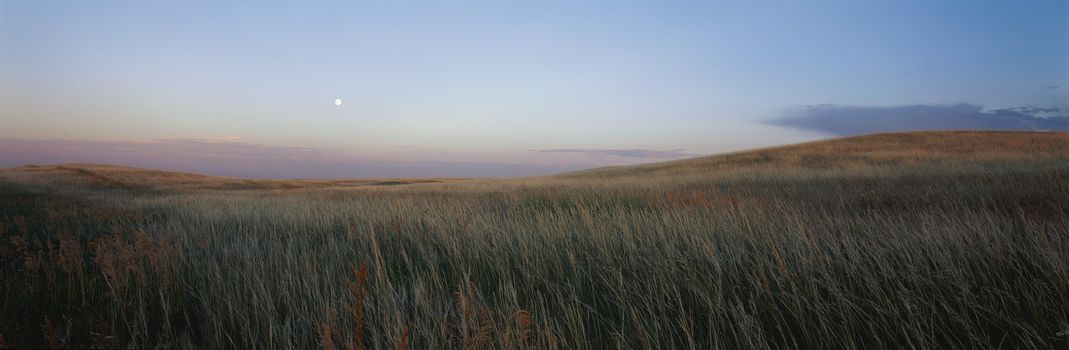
x,y
871,150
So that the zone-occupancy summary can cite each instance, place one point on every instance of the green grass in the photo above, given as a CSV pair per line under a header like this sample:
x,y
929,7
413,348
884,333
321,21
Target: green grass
x,y
928,240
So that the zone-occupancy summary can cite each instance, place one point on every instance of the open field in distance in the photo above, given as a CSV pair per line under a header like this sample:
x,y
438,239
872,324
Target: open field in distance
x,y
911,240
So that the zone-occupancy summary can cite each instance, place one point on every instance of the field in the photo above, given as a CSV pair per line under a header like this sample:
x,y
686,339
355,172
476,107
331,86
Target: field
x,y
913,240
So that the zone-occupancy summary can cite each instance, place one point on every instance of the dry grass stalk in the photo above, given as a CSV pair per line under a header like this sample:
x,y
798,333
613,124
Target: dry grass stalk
x,y
402,344
103,337
327,337
51,334
523,324
358,294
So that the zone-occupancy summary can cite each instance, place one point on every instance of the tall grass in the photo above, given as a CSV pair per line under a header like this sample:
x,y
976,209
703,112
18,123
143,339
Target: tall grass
x,y
873,255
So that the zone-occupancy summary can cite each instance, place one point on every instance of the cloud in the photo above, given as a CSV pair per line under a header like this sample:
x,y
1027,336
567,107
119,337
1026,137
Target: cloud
x,y
1051,87
1051,112
850,120
626,153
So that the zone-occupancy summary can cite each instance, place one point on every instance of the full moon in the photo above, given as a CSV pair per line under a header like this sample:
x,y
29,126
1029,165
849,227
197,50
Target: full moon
x,y
337,102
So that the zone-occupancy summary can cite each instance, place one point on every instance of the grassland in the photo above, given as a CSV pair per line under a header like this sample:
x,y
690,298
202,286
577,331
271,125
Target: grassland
x,y
918,240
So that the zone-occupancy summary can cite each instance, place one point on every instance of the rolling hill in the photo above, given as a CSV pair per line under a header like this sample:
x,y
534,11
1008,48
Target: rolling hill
x,y
908,240
932,148
888,150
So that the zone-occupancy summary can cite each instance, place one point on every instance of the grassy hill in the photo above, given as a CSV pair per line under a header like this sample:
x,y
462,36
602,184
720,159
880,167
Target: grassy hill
x,y
104,176
890,150
916,240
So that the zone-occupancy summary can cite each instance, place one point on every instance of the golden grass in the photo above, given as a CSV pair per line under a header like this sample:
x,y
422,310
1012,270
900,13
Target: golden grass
x,y
919,240
867,151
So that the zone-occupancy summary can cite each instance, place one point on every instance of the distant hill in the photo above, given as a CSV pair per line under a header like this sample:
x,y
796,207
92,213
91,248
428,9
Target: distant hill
x,y
866,151
131,178
118,177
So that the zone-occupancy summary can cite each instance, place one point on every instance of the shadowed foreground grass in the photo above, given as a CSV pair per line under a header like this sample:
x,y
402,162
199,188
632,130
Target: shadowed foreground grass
x,y
920,240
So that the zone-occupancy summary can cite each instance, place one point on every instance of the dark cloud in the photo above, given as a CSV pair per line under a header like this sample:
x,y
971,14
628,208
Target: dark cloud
x,y
250,160
851,120
626,153
1051,87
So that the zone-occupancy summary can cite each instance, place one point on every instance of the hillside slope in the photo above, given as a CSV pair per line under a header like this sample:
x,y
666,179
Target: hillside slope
x,y
140,179
857,152
922,240
118,177
866,151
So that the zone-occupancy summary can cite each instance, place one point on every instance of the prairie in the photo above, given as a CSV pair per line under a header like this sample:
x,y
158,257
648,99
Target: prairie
x,y
907,240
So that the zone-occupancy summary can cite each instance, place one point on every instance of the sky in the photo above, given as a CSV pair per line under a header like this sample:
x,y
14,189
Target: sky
x,y
506,88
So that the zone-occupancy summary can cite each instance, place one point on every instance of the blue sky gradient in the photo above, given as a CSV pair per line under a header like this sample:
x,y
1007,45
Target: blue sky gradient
x,y
501,81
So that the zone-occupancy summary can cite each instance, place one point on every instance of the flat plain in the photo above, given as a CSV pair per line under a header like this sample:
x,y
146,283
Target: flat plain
x,y
907,240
